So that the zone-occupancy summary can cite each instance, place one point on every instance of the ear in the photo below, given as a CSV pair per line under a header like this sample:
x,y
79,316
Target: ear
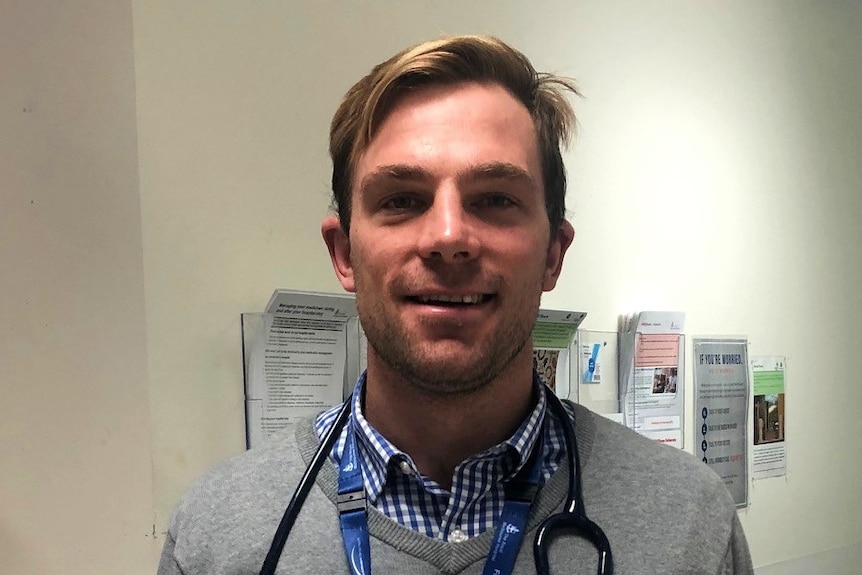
x,y
338,245
556,253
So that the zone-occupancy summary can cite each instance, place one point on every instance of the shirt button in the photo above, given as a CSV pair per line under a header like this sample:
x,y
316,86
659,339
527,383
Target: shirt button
x,y
458,536
405,467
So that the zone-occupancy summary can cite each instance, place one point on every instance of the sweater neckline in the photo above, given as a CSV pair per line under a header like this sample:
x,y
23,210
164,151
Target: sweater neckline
x,y
451,557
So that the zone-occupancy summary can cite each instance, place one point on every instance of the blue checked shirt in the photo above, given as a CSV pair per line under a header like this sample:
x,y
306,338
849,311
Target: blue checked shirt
x,y
394,485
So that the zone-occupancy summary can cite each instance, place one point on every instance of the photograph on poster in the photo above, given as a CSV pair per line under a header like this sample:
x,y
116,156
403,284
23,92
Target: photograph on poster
x,y
545,363
768,418
664,380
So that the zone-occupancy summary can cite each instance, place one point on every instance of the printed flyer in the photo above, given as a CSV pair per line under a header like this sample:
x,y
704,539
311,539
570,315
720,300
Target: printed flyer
x,y
299,356
721,389
652,356
770,448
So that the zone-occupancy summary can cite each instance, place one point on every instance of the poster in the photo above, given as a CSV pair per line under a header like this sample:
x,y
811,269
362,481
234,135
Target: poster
x,y
652,354
721,388
298,358
769,457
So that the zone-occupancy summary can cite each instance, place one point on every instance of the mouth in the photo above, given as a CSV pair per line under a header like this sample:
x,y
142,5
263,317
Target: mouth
x,y
452,300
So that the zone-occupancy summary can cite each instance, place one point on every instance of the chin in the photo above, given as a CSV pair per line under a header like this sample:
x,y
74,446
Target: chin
x,y
452,376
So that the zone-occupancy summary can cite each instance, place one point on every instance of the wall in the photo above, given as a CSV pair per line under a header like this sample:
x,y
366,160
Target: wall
x,y
76,483
717,172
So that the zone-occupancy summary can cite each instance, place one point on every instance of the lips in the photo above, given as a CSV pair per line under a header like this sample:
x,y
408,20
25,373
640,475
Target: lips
x,y
468,299
448,299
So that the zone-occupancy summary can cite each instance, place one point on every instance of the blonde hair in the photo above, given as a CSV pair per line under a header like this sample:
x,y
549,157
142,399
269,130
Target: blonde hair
x,y
452,60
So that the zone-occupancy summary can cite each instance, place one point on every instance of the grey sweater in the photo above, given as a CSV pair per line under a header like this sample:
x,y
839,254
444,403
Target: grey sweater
x,y
663,511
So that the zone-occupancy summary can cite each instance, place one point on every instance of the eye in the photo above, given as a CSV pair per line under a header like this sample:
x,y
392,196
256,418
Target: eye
x,y
401,203
496,201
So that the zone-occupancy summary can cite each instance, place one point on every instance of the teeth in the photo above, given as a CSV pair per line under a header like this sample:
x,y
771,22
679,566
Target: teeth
x,y
469,299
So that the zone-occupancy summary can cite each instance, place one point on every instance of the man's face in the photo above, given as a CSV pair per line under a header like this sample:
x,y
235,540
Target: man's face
x,y
449,247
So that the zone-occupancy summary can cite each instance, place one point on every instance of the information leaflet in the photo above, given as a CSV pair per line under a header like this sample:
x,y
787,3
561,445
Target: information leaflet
x,y
297,359
651,375
721,389
770,449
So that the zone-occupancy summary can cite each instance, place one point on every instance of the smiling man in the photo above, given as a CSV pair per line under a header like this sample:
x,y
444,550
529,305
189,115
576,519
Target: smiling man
x,y
448,249
449,189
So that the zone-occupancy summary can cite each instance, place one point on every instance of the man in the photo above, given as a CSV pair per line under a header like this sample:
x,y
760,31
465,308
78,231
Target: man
x,y
449,188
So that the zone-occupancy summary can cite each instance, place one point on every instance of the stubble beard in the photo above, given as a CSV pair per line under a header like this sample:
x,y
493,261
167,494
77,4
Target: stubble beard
x,y
402,352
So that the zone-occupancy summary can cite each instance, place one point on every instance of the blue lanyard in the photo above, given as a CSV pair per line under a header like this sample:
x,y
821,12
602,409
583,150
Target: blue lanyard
x,y
520,492
351,508
353,518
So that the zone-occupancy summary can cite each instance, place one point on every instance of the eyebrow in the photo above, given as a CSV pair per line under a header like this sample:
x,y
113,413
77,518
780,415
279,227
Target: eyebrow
x,y
497,171
474,173
396,172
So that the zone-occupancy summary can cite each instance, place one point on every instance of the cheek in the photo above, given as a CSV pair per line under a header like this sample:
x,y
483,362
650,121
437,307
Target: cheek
x,y
529,267
525,250
369,265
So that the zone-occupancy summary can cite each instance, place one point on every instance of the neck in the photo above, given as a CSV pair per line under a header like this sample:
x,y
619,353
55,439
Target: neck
x,y
441,431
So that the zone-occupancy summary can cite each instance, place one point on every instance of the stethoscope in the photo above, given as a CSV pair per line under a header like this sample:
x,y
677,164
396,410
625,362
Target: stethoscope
x,y
572,519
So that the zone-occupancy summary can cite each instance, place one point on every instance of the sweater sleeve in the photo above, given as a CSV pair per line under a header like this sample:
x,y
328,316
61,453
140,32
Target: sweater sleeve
x,y
737,559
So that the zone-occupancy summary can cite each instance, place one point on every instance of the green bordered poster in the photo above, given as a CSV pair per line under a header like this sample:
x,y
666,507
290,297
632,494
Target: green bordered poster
x,y
770,446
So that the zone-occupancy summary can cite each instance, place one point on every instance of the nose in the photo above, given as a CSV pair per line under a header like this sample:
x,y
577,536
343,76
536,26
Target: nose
x,y
448,233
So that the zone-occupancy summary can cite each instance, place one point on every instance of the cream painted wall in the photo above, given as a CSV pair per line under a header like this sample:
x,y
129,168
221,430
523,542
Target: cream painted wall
x,y
76,483
717,171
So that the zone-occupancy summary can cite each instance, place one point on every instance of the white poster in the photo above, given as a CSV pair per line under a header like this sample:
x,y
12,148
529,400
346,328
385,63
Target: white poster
x,y
297,359
721,391
652,352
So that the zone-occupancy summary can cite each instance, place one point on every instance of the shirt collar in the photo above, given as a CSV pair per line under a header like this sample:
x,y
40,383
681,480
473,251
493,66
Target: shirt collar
x,y
382,459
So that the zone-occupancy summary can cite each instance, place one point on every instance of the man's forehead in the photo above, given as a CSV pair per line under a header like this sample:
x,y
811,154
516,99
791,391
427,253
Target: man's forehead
x,y
486,119
416,97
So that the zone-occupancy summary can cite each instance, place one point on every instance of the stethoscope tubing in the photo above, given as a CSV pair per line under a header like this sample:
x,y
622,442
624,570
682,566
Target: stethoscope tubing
x,y
302,490
574,513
